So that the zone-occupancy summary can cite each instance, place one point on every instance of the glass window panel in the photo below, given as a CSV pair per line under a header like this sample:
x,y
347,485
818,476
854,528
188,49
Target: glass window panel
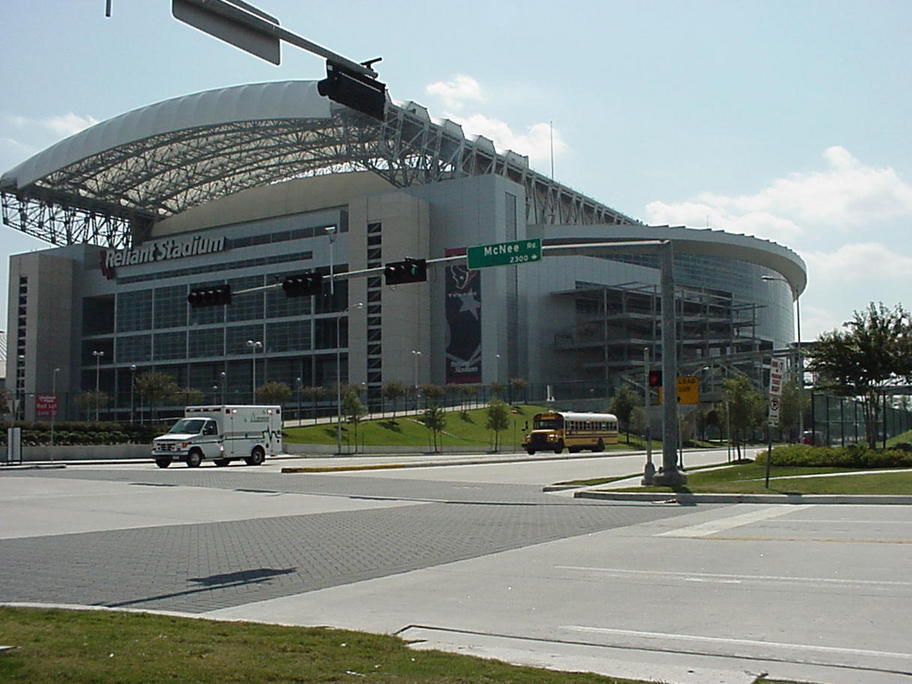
x,y
170,345
171,307
134,311
207,342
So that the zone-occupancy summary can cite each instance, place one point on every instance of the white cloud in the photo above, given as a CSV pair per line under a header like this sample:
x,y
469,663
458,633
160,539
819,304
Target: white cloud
x,y
457,91
61,125
69,123
535,141
857,262
847,194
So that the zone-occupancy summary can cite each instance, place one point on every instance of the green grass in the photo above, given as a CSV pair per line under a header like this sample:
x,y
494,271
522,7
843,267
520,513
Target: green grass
x,y
468,431
905,437
749,478
101,646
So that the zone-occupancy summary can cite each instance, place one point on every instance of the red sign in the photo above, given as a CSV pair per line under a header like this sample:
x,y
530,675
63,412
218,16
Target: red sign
x,y
45,405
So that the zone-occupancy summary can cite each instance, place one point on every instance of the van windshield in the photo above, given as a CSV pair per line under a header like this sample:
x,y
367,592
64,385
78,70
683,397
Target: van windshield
x,y
188,426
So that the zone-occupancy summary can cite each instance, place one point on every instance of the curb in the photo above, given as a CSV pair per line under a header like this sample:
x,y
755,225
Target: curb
x,y
685,498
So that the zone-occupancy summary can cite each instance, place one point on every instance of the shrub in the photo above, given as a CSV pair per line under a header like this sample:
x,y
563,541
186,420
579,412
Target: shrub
x,y
854,456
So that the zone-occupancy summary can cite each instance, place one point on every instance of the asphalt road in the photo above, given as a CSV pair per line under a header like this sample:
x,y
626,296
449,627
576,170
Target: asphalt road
x,y
476,558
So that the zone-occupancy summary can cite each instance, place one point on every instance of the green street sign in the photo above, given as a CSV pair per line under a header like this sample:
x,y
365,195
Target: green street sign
x,y
504,253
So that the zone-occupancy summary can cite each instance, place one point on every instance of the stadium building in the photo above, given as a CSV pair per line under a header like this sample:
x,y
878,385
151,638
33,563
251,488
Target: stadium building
x,y
250,184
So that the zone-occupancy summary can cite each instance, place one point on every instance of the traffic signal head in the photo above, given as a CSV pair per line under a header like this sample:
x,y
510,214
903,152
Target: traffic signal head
x,y
655,378
302,285
407,271
216,295
354,90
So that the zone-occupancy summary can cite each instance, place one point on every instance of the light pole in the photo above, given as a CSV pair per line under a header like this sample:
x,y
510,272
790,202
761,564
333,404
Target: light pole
x,y
799,356
416,354
298,380
254,345
132,385
331,231
56,404
224,378
649,469
97,355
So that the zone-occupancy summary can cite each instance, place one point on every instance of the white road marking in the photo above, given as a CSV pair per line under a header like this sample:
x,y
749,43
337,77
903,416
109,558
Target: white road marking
x,y
713,526
740,642
728,578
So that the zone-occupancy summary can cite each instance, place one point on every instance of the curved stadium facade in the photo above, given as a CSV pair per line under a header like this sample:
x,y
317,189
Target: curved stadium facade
x,y
247,185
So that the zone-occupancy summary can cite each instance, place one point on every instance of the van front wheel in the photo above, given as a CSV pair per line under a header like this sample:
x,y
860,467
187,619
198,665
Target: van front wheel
x,y
194,458
257,456
163,461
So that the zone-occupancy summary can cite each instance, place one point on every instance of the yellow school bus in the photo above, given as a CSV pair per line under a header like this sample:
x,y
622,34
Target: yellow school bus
x,y
557,430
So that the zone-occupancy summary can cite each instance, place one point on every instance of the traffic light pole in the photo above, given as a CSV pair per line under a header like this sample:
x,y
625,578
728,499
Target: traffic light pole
x,y
668,473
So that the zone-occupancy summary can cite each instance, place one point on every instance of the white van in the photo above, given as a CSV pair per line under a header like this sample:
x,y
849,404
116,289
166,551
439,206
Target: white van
x,y
223,434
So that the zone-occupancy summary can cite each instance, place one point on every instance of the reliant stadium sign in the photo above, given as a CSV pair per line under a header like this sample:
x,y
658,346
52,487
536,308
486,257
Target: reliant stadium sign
x,y
162,250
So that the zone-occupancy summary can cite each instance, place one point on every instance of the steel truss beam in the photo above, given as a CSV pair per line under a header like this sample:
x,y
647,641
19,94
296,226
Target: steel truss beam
x,y
112,198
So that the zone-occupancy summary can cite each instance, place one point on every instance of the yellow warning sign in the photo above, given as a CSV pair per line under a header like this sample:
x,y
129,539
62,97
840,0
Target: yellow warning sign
x,y
688,390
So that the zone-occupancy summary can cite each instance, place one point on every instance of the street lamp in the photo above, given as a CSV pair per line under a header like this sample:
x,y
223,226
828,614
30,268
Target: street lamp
x,y
416,354
298,380
254,345
224,379
97,355
132,386
799,355
331,231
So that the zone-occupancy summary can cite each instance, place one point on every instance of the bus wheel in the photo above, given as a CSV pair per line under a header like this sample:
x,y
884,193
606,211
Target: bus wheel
x,y
600,446
531,452
257,456
194,458
222,462
163,461
559,447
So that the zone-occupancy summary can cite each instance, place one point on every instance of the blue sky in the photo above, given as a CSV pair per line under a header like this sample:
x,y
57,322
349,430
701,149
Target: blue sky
x,y
785,120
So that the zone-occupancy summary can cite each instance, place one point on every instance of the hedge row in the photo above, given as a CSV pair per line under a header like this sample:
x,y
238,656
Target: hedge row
x,y
854,456
76,433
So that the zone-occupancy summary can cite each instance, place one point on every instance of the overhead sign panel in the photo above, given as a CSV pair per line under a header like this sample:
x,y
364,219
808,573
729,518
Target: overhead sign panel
x,y
504,253
233,21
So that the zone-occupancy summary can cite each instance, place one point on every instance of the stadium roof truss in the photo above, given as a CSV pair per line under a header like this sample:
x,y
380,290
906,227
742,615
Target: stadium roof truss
x,y
108,184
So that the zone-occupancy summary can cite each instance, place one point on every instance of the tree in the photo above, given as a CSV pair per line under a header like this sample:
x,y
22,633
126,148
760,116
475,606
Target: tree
x,y
792,403
701,421
745,407
156,389
273,393
622,404
313,394
639,421
874,350
392,391
432,393
469,392
435,419
91,401
192,396
498,419
353,410
518,387
497,389
5,399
